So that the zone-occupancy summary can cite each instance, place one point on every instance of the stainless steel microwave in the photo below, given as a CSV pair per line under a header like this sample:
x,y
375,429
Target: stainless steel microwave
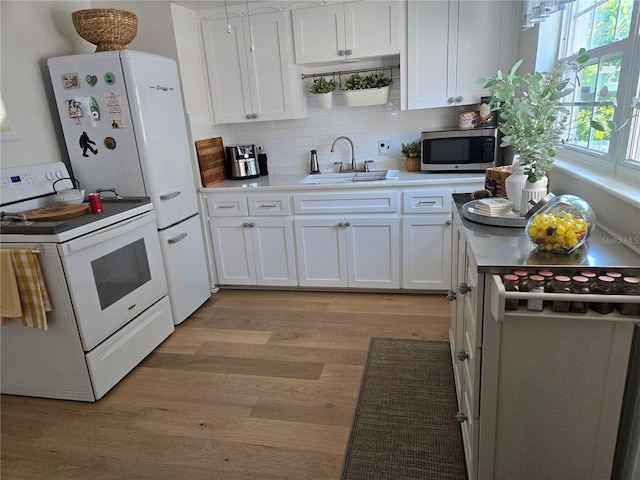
x,y
459,150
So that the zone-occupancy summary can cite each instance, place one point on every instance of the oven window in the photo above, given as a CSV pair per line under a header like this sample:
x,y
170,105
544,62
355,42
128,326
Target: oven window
x,y
120,272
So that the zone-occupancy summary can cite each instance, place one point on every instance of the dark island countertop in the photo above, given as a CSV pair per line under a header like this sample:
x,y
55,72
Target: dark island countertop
x,y
496,248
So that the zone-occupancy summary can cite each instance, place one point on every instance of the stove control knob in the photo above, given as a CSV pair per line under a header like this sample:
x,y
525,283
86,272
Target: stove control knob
x,y
59,174
49,175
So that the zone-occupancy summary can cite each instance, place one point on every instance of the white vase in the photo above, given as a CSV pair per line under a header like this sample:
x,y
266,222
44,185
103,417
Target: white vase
x,y
514,183
325,99
532,193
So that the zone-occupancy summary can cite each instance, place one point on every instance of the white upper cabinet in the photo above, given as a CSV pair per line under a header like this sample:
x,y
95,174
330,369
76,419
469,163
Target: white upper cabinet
x,y
248,68
339,32
451,44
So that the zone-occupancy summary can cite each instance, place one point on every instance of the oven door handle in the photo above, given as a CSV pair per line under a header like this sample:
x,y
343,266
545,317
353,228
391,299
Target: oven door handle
x,y
106,234
177,238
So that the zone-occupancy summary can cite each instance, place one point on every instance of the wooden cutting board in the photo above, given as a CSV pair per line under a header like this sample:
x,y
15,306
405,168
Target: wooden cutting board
x,y
211,160
57,212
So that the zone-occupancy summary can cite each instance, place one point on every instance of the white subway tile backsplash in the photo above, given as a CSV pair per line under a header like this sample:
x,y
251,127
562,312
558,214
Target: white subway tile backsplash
x,y
288,143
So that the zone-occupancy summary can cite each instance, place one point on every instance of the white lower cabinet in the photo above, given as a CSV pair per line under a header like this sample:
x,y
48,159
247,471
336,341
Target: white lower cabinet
x,y
354,252
252,239
426,239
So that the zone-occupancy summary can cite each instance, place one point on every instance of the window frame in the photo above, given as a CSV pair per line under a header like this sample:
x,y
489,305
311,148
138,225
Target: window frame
x,y
616,162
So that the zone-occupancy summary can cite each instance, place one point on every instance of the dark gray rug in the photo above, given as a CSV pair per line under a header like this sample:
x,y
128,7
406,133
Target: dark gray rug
x,y
404,426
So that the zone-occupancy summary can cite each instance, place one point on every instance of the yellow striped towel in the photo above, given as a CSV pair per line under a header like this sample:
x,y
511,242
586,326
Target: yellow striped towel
x,y
33,292
9,297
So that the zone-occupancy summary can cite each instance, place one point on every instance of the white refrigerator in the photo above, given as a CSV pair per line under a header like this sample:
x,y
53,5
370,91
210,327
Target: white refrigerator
x,y
124,127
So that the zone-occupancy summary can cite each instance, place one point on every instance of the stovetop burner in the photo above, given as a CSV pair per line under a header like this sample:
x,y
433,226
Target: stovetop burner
x,y
60,230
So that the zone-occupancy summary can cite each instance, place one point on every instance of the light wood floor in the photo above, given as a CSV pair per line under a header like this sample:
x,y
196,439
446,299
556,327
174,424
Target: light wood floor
x,y
254,385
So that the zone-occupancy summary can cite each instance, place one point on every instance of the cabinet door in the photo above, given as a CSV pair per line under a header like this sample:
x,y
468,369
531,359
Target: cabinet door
x,y
233,251
227,69
486,40
248,69
431,53
321,253
274,252
426,252
371,29
373,251
268,64
318,34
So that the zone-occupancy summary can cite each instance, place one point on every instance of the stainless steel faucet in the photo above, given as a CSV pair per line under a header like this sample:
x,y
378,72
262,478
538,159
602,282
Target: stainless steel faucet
x,y
353,152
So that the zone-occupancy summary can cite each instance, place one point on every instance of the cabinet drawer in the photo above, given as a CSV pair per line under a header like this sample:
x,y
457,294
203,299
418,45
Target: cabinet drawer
x,y
268,205
227,206
347,202
421,201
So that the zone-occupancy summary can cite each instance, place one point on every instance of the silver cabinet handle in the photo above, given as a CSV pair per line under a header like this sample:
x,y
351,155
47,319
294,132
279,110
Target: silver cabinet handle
x,y
249,116
347,224
341,53
268,205
169,196
177,238
246,225
341,224
462,355
426,202
461,417
225,206
451,100
255,115
251,225
459,99
451,295
464,288
349,51
448,222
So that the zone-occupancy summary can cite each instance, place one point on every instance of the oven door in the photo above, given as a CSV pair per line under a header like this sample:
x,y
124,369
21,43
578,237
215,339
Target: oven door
x,y
113,275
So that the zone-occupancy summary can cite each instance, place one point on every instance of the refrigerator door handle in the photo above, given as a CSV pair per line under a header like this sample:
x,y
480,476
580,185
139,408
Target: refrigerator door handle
x,y
169,196
177,238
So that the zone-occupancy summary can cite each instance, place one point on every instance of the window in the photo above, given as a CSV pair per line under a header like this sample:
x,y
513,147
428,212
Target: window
x,y
608,30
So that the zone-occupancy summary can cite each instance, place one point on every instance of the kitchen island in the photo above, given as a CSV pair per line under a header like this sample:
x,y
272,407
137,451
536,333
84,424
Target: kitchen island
x,y
540,393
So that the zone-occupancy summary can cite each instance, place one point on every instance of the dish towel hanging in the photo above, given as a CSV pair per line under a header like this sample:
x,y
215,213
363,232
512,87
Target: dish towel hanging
x,y
10,306
34,298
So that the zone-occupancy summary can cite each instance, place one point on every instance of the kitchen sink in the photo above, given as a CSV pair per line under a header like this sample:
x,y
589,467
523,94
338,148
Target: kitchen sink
x,y
350,177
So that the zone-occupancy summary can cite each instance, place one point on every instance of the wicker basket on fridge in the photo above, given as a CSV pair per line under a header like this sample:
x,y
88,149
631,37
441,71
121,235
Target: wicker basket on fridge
x,y
107,28
495,178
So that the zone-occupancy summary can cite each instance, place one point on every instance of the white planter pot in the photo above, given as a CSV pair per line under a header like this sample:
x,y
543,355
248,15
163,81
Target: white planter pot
x,y
532,192
325,99
369,96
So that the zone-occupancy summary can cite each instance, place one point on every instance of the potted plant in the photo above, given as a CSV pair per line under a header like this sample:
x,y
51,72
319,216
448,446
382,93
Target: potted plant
x,y
411,151
533,119
323,88
372,89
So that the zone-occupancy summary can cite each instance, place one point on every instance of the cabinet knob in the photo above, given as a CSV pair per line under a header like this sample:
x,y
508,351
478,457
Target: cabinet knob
x,y
341,53
255,115
464,288
349,51
462,355
451,295
249,117
347,224
341,224
448,222
246,225
251,225
459,99
451,100
461,417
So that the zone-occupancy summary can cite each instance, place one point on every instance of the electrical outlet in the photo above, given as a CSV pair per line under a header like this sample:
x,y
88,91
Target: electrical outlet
x,y
384,147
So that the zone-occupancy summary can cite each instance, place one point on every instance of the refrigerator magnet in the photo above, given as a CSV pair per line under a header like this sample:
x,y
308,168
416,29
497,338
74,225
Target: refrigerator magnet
x,y
70,80
110,143
109,78
85,144
75,110
93,106
117,123
91,80
114,106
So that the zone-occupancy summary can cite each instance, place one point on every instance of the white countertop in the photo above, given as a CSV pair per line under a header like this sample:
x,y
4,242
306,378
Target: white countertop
x,y
291,181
